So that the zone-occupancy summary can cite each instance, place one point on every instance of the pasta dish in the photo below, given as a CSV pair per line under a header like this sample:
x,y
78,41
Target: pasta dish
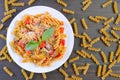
x,y
39,39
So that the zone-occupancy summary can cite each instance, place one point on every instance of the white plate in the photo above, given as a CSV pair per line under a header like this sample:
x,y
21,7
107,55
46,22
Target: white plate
x,y
69,41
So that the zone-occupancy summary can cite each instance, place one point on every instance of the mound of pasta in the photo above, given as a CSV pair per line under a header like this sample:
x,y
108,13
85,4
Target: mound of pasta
x,y
39,39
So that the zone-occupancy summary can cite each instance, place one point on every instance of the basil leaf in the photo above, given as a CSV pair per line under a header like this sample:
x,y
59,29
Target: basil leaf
x,y
48,33
31,45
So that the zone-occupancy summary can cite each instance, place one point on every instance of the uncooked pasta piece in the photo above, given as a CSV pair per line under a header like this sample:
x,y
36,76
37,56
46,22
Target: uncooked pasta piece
x,y
104,57
78,36
86,6
86,68
115,7
112,64
85,2
30,2
72,20
87,37
99,70
68,11
116,28
106,74
85,53
114,34
94,59
106,27
73,59
1,26
108,21
31,75
111,39
10,12
24,74
105,41
117,19
115,75
81,67
118,59
44,75
63,72
84,43
104,68
75,28
93,19
117,52
75,69
61,2
65,65
8,71
18,4
84,23
101,18
76,77
111,56
107,3
11,1
2,36
105,34
93,49
6,18
6,5
94,40
81,54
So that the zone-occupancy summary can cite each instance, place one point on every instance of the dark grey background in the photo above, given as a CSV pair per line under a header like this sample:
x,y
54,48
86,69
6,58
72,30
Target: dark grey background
x,y
93,10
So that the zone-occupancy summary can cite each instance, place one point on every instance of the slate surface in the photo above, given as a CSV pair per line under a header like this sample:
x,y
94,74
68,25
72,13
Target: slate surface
x,y
93,10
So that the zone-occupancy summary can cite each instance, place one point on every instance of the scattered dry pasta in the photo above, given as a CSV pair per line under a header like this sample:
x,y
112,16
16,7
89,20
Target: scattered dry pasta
x,y
105,41
18,4
11,1
61,2
72,20
87,37
30,2
94,59
104,68
99,70
114,34
44,75
75,69
116,28
106,74
110,39
65,65
68,11
6,5
115,7
2,36
108,21
24,74
84,23
95,40
101,18
93,19
115,75
111,56
93,49
8,71
87,5
117,19
117,52
1,26
75,28
10,12
31,75
86,68
6,18
73,59
107,3
104,57
63,72
112,64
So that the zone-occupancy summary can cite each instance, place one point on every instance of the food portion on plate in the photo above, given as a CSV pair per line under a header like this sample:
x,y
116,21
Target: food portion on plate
x,y
39,39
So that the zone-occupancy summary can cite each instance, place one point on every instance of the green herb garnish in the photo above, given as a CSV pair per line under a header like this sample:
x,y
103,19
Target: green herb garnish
x,y
46,35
